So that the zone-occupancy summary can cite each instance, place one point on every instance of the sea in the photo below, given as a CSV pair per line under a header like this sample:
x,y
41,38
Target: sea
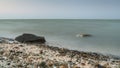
x,y
64,33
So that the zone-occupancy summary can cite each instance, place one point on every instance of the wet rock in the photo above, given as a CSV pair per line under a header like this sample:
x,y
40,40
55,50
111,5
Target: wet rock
x,y
83,35
30,38
99,66
1,58
43,65
7,40
8,63
21,45
1,51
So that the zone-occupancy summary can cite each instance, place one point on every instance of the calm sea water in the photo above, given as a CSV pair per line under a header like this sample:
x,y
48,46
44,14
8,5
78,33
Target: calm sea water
x,y
62,33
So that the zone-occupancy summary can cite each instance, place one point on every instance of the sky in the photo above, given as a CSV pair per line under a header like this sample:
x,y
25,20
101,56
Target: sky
x,y
59,9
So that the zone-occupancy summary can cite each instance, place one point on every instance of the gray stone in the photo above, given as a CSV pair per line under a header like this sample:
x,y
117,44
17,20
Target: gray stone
x,y
7,40
30,38
83,35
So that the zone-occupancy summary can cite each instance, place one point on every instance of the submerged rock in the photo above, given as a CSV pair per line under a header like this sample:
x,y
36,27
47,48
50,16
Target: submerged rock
x,y
83,35
30,38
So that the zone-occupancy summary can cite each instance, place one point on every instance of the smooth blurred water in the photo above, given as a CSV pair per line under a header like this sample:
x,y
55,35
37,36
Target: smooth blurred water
x,y
62,32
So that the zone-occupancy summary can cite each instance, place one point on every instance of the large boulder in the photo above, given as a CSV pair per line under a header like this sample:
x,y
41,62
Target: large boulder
x,y
30,38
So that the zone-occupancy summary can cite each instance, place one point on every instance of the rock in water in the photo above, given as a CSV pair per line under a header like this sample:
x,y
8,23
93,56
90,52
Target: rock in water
x,y
30,38
7,40
83,35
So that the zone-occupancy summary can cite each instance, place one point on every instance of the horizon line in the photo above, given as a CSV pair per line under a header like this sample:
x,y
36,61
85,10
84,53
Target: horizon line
x,y
55,18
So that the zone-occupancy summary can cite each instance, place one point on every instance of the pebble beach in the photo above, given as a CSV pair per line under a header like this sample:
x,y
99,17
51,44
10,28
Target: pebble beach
x,y
19,55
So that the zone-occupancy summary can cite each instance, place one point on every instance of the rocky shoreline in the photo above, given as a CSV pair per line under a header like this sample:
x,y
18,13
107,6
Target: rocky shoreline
x,y
43,56
32,54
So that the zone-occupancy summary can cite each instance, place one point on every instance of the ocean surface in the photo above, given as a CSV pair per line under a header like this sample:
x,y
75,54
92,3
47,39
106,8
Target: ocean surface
x,y
62,33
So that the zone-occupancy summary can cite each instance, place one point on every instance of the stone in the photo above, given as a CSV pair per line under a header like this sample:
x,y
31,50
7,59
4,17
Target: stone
x,y
7,40
99,66
30,38
63,66
83,35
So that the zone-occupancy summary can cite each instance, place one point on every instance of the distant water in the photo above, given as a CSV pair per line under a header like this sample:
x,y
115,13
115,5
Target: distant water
x,y
62,32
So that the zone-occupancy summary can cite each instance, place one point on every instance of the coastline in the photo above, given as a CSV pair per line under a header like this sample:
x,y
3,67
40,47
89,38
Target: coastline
x,y
61,31
38,55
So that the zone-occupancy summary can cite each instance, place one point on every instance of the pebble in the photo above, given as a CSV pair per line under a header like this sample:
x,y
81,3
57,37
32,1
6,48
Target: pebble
x,y
29,56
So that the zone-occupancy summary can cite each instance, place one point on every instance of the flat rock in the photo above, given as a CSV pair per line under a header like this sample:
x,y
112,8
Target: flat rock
x,y
30,38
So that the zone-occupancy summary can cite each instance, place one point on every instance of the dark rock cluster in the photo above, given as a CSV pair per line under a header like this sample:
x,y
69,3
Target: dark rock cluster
x,y
24,38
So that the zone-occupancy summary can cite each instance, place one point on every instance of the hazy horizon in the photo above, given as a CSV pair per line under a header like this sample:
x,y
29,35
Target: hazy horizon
x,y
59,9
53,19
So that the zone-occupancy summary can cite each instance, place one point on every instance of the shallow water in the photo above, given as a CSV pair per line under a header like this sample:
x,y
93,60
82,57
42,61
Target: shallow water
x,y
62,32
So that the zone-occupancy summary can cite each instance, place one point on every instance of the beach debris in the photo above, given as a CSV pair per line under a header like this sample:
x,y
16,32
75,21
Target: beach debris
x,y
83,35
30,38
